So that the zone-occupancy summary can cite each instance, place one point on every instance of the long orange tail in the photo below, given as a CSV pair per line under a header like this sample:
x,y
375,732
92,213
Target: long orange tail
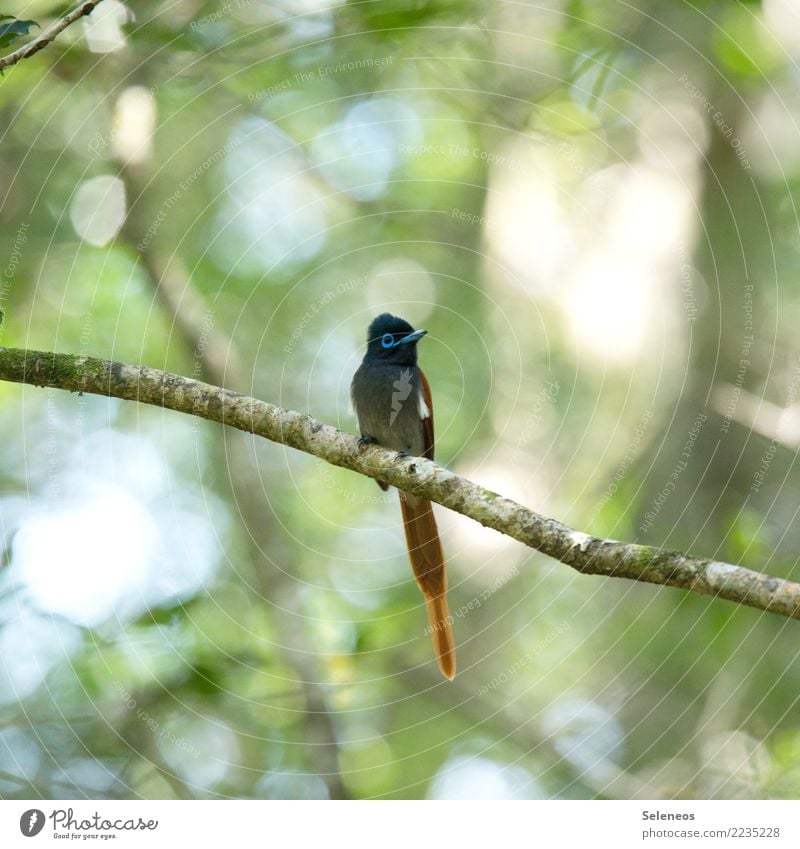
x,y
427,561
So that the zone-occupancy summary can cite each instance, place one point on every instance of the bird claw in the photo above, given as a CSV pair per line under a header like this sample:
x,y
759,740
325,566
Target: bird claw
x,y
364,441
402,454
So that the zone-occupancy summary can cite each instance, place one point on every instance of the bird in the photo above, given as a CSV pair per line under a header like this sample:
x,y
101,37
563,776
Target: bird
x,y
391,398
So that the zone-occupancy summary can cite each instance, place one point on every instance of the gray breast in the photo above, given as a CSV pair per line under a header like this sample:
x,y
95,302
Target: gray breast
x,y
388,403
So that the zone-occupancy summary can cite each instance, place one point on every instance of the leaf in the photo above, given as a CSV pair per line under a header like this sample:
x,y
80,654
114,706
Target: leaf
x,y
13,29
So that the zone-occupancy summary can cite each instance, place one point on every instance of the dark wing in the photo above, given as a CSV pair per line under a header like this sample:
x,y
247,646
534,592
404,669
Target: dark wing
x,y
427,422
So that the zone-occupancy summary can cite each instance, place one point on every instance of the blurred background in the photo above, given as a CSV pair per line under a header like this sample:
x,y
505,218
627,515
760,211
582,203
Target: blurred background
x,y
592,208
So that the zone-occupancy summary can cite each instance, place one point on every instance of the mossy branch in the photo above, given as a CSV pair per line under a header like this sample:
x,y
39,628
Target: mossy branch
x,y
587,554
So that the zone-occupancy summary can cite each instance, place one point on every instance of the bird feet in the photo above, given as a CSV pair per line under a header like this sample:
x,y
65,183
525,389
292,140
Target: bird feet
x,y
364,441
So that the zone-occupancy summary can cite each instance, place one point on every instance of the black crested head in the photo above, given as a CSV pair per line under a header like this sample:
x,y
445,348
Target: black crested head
x,y
392,339
388,323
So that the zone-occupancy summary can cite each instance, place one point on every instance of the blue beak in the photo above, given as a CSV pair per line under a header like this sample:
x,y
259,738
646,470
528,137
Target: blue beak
x,y
412,337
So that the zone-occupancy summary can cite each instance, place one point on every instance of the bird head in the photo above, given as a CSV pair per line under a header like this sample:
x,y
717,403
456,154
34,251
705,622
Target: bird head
x,y
393,340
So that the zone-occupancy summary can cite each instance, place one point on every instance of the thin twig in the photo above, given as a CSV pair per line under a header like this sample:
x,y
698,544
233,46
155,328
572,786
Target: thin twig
x,y
587,554
48,35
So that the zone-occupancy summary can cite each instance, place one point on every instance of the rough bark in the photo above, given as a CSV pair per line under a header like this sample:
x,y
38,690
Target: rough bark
x,y
585,553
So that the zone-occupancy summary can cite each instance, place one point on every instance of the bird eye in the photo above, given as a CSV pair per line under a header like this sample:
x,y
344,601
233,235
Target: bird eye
x,y
387,340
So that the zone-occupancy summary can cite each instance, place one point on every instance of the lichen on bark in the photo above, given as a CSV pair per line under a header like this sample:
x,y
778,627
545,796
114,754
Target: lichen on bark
x,y
583,552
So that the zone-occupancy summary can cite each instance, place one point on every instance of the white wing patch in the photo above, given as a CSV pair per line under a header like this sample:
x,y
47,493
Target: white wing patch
x,y
424,412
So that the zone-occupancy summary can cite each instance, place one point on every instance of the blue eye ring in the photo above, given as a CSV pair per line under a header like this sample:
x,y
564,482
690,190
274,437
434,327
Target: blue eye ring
x,y
387,340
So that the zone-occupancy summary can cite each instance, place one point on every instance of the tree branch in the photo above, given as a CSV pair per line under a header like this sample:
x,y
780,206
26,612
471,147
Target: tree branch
x,y
49,35
587,554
